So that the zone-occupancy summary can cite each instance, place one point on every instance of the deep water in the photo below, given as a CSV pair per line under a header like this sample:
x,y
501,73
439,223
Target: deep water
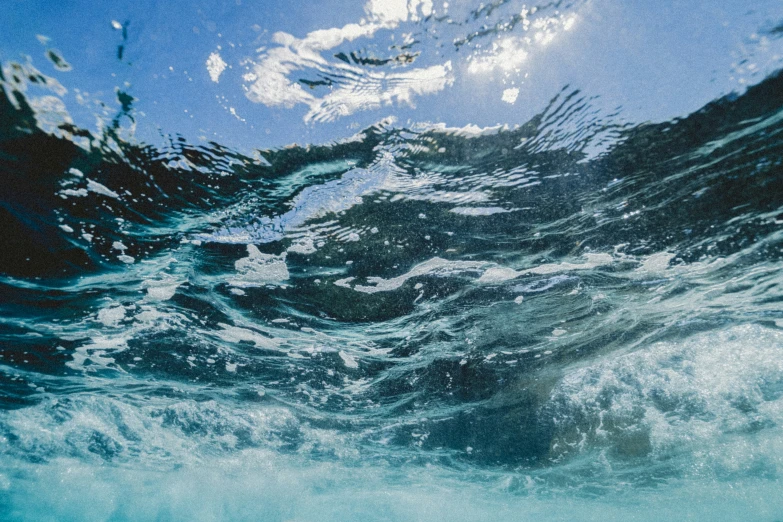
x,y
575,318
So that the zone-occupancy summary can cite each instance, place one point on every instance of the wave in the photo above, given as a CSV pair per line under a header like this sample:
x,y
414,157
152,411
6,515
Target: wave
x,y
572,304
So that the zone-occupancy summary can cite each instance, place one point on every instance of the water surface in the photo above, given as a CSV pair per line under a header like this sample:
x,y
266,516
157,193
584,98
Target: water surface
x,y
391,261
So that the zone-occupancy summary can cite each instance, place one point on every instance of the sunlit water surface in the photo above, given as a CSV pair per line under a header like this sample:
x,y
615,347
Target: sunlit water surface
x,y
391,261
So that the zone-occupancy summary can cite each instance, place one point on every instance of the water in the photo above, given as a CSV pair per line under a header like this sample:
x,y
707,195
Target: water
x,y
541,306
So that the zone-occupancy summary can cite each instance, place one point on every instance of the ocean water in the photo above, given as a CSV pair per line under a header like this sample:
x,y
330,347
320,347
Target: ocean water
x,y
391,261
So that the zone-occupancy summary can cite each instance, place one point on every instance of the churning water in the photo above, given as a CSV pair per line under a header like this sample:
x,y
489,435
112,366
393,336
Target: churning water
x,y
575,314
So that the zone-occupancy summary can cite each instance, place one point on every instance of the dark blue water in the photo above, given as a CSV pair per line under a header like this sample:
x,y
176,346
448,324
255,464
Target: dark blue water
x,y
577,315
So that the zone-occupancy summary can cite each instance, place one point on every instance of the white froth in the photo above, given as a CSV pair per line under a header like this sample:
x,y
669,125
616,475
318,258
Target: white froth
x,y
498,274
435,266
703,395
656,263
111,316
304,246
94,186
161,292
478,211
235,334
258,269
490,273
348,360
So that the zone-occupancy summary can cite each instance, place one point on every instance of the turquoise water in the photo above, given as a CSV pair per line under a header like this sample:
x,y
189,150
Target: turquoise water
x,y
574,315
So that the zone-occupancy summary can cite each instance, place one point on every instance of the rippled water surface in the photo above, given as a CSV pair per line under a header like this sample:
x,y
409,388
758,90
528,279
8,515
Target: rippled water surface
x,y
399,260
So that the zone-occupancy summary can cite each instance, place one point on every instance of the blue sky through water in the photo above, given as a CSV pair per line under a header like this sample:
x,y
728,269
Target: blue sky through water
x,y
654,60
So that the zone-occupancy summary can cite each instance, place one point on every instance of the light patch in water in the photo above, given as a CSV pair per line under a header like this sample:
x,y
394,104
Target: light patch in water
x,y
259,481
435,266
479,211
656,263
161,290
499,274
349,360
469,131
235,334
591,261
490,273
318,201
259,269
78,193
50,113
303,246
95,354
715,397
111,316
94,186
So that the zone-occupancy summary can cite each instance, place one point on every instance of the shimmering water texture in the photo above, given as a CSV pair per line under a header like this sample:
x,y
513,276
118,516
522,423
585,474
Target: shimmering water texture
x,y
574,318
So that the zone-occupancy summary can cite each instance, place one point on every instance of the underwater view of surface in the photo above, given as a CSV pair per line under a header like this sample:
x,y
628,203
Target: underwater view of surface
x,y
391,260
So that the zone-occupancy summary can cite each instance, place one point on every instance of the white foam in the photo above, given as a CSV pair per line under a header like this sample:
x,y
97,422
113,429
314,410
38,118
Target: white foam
x,y
303,246
235,334
592,261
490,272
656,263
96,352
258,269
479,211
470,130
94,186
703,396
77,193
349,360
498,274
434,266
161,290
111,316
